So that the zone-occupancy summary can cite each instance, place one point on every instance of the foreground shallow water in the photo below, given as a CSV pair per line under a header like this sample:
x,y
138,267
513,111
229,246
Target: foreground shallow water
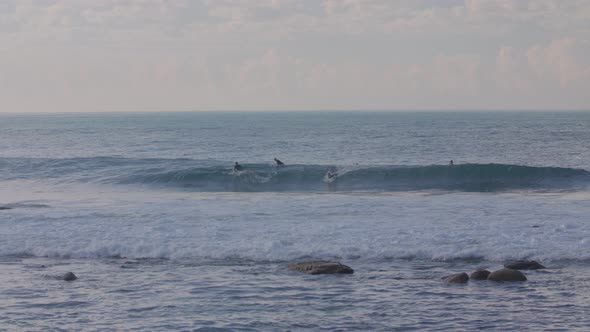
x,y
164,295
162,261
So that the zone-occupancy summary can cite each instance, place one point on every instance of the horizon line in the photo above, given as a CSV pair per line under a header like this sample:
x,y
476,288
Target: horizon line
x,y
298,111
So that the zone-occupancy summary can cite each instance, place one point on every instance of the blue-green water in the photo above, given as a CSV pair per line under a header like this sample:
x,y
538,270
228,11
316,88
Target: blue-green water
x,y
206,247
343,138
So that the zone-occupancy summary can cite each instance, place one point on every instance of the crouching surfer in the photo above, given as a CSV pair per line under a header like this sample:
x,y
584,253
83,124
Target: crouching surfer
x,y
332,175
330,179
279,163
237,167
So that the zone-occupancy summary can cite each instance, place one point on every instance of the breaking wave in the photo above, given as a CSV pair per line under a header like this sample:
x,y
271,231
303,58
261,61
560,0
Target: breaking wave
x,y
186,174
468,177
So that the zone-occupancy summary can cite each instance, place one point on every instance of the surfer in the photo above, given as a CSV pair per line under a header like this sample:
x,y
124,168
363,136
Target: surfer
x,y
451,163
330,179
332,174
237,167
279,163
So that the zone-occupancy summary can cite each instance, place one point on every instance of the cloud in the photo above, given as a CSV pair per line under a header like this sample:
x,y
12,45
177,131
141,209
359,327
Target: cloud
x,y
558,62
547,75
511,72
286,54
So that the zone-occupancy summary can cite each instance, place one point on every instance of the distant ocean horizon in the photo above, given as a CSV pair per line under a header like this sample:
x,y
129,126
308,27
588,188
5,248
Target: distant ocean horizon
x,y
164,234
285,111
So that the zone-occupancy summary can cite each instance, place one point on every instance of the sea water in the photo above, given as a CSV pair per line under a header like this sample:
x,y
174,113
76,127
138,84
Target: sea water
x,y
163,234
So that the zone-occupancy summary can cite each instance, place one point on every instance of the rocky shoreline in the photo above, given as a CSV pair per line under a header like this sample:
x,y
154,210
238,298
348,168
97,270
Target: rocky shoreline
x,y
510,272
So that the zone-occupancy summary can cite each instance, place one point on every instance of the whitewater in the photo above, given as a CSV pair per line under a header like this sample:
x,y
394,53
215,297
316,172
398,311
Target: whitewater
x,y
164,235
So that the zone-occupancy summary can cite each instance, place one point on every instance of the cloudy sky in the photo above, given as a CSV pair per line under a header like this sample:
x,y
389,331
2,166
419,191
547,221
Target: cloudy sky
x,y
157,55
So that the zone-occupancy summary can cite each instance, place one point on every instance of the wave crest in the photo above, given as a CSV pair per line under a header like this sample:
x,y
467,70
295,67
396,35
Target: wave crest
x,y
467,177
218,176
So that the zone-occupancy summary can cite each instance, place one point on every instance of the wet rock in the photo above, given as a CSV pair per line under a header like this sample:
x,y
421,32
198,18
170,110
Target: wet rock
x,y
129,265
507,275
69,276
524,265
321,267
480,275
458,278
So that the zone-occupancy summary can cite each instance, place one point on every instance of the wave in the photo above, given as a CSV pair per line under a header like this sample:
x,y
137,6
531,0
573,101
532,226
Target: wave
x,y
214,176
468,177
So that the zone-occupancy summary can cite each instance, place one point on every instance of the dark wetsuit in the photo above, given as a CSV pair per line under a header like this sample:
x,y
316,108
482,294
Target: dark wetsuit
x,y
279,163
237,167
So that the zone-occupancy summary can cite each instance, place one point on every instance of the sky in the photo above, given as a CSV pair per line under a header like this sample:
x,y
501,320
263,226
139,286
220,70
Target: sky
x,y
177,55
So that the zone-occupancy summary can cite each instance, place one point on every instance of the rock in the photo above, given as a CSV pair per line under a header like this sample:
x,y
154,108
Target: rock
x,y
480,275
129,264
69,276
321,267
507,275
5,208
524,265
458,278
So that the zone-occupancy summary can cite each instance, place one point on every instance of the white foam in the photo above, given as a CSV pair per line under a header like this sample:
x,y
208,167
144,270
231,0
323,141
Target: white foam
x,y
278,227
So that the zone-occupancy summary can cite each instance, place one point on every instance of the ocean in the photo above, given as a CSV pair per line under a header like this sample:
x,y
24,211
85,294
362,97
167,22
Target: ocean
x,y
164,235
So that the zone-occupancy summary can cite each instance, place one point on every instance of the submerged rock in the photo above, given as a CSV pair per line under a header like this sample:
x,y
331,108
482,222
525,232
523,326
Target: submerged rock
x,y
70,276
458,278
321,267
507,275
480,275
129,264
524,265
